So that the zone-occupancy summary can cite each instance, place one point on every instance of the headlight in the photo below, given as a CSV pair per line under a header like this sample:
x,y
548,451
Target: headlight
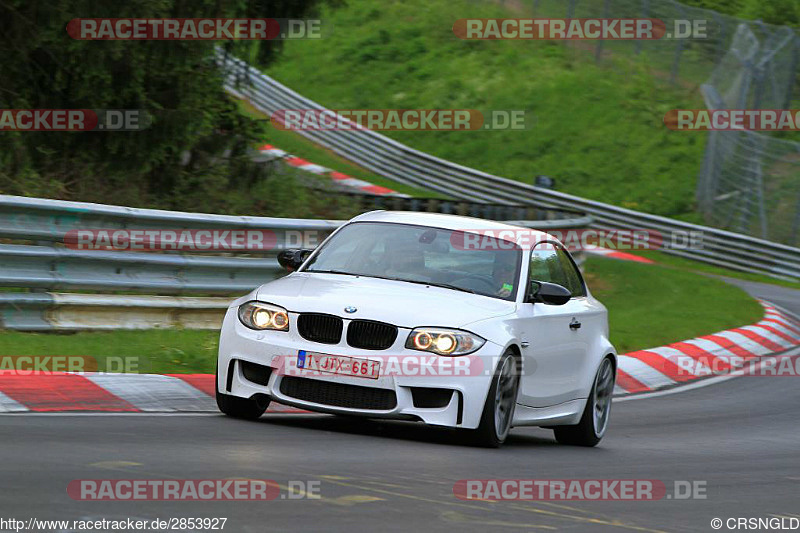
x,y
260,315
444,341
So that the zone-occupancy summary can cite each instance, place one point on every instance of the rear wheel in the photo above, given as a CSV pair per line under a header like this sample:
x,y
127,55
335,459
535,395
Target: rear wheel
x,y
245,408
594,421
498,411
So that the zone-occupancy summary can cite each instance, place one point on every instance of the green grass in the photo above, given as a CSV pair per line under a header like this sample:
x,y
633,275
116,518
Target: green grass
x,y
596,129
163,351
653,305
297,145
681,263
649,305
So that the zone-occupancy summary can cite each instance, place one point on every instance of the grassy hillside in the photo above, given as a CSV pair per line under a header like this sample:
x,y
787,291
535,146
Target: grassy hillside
x,y
597,130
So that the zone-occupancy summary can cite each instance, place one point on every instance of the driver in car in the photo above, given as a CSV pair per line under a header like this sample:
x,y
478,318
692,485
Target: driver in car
x,y
503,274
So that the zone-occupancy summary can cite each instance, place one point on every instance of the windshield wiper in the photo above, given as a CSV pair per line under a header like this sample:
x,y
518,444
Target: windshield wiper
x,y
454,287
434,284
333,271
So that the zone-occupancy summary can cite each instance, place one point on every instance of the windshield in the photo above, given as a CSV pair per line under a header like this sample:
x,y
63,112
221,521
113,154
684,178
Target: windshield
x,y
420,254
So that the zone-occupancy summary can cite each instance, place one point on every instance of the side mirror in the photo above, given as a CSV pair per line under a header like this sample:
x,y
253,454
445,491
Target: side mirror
x,y
292,259
548,293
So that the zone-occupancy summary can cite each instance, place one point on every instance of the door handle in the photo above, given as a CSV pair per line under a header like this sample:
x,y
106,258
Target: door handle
x,y
574,324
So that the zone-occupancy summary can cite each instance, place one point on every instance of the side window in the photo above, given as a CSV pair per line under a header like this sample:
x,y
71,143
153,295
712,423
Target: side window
x,y
546,265
573,277
552,264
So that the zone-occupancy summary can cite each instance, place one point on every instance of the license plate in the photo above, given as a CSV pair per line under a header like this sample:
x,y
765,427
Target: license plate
x,y
338,364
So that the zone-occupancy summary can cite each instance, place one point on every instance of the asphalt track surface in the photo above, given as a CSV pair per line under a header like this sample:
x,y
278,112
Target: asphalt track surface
x,y
739,437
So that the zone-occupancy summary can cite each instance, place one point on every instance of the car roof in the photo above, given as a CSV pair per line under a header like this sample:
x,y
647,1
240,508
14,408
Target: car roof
x,y
525,237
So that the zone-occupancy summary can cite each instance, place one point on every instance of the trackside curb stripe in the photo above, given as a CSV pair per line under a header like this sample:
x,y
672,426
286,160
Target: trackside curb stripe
x,y
629,383
702,356
661,364
338,177
61,392
8,405
768,344
724,351
150,392
783,325
202,382
642,372
730,346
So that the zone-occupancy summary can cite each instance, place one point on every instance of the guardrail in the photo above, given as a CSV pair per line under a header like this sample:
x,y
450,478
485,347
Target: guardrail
x,y
394,160
36,257
66,311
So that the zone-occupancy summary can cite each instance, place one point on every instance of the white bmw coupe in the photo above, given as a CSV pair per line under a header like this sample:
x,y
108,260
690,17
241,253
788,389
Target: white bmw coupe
x,y
449,320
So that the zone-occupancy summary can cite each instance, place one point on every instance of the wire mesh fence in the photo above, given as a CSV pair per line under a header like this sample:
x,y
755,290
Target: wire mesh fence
x,y
749,182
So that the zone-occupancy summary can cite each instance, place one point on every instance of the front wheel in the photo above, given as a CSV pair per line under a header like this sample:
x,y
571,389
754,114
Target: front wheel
x,y
245,408
499,408
594,421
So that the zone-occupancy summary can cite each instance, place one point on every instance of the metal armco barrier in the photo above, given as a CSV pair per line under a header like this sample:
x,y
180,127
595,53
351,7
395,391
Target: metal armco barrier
x,y
64,311
394,160
38,259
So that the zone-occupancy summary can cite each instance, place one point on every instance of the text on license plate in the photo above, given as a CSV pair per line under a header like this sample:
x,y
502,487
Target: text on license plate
x,y
338,364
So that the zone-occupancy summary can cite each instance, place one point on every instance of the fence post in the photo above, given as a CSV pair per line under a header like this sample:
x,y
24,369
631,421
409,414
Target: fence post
x,y
792,73
796,226
721,48
598,53
680,43
645,11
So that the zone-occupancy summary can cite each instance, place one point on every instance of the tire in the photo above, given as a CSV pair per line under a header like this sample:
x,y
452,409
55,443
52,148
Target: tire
x,y
498,411
594,423
244,408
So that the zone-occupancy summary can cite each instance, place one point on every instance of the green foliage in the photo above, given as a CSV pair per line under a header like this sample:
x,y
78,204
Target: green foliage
x,y
195,154
596,129
654,305
778,12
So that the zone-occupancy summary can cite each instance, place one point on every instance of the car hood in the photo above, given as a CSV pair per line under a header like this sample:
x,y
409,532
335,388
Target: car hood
x,y
395,302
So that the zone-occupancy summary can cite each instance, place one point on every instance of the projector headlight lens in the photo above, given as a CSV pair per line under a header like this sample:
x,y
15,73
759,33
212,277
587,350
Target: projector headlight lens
x,y
261,316
444,341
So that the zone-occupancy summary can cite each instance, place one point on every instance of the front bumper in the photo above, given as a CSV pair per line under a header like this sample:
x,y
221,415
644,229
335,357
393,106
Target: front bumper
x,y
468,377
